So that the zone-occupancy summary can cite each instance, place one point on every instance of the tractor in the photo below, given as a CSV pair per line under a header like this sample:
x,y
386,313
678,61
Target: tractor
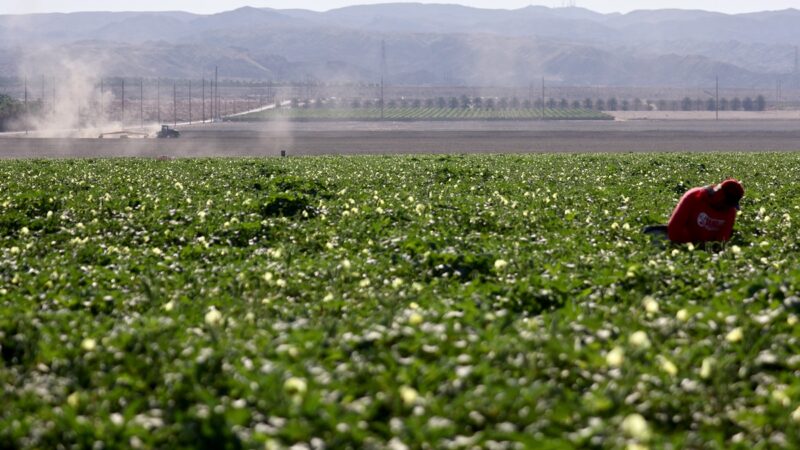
x,y
168,133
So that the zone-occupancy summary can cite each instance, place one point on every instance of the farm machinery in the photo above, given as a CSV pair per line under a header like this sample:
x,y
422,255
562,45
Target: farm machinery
x,y
168,133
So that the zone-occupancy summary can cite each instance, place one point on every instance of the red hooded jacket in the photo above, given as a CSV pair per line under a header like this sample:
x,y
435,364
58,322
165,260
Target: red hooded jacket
x,y
696,219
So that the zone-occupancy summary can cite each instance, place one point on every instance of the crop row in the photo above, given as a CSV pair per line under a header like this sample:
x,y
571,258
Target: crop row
x,y
395,302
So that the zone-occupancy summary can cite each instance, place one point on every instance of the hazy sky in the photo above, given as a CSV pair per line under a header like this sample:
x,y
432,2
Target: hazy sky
x,y
206,6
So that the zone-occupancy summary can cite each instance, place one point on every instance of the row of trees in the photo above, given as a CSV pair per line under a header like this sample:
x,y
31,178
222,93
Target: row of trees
x,y
611,104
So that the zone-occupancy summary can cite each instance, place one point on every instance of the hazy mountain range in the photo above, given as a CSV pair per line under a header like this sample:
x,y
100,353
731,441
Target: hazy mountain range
x,y
426,44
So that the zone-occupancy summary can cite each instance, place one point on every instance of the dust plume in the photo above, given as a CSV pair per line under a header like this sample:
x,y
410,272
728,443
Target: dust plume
x,y
74,103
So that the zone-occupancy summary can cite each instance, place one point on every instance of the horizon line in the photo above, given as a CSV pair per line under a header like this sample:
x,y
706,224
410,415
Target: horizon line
x,y
221,11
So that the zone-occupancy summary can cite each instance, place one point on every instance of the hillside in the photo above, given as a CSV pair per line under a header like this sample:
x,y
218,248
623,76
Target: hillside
x,y
426,44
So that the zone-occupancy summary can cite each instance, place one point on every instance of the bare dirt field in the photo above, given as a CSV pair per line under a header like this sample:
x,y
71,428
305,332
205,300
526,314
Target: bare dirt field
x,y
268,139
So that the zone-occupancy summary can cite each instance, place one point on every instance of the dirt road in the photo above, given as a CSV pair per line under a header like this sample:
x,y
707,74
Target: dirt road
x,y
232,139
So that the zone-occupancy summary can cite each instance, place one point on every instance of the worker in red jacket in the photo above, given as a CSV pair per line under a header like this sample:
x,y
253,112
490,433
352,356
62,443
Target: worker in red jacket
x,y
706,214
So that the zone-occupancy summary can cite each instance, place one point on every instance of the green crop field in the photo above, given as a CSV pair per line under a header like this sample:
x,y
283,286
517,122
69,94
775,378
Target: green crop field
x,y
420,114
398,302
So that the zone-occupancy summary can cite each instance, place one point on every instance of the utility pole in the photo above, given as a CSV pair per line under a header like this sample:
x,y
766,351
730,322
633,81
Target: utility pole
x,y
383,76
716,100
158,100
190,102
53,106
141,102
102,98
216,82
123,103
42,106
779,96
542,98
26,105
174,104
530,94
204,98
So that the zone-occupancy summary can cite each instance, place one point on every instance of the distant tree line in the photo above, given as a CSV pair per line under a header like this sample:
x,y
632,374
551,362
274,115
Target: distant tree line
x,y
492,103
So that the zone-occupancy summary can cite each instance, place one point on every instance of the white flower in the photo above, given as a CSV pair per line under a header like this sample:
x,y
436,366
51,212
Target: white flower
x,y
295,386
409,395
796,415
500,264
650,305
397,282
117,419
683,315
636,446
707,367
415,319
89,344
639,340
420,208
364,283
74,399
735,335
267,276
156,251
169,306
736,250
779,395
616,357
24,231
346,264
668,366
635,426
213,316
